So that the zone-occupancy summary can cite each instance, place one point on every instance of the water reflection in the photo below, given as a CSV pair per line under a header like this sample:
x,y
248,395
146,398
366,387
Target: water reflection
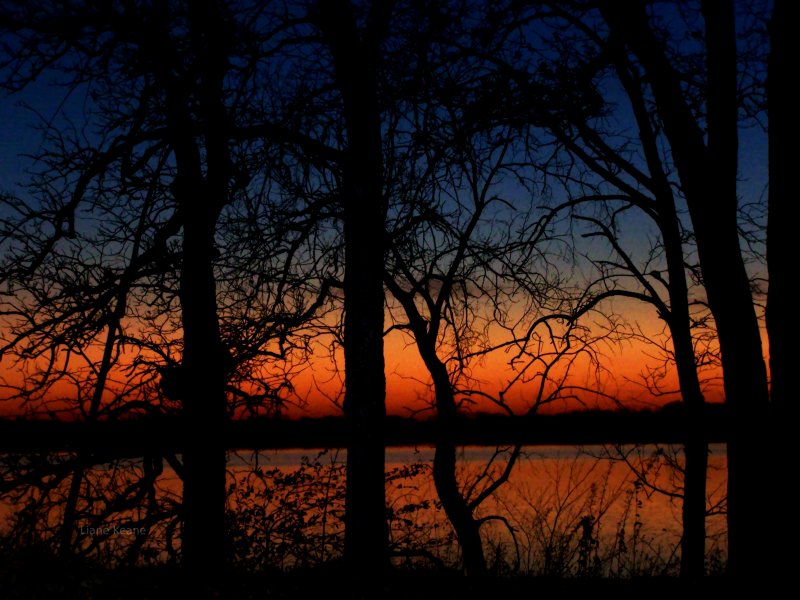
x,y
565,510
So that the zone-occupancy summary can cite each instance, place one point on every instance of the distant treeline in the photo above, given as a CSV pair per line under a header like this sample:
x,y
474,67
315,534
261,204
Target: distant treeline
x,y
136,437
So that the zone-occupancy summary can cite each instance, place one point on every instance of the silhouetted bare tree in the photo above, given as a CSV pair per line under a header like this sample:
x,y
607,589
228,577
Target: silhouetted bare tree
x,y
474,266
240,161
676,93
166,158
706,162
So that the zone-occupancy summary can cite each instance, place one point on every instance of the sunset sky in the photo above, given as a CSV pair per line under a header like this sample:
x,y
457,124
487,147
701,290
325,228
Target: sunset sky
x,y
626,366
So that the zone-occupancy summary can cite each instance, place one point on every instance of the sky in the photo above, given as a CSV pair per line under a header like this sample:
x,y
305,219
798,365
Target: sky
x,y
624,367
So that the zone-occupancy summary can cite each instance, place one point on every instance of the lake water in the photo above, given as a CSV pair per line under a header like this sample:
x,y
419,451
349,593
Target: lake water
x,y
564,510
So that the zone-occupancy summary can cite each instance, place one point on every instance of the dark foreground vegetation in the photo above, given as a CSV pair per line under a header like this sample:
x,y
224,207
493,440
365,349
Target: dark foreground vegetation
x,y
25,576
136,584
572,519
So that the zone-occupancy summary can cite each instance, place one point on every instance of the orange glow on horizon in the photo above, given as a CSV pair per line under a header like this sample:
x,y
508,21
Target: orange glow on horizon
x,y
618,376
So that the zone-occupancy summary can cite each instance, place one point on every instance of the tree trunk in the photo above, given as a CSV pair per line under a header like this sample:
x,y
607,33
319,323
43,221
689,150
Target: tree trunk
x,y
366,533
695,445
731,302
444,474
781,322
679,322
355,54
708,177
696,455
201,194
203,378
82,459
693,542
203,539
782,327
456,507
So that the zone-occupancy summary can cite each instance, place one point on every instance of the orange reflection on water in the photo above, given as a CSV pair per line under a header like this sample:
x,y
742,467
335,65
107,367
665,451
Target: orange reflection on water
x,y
560,507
